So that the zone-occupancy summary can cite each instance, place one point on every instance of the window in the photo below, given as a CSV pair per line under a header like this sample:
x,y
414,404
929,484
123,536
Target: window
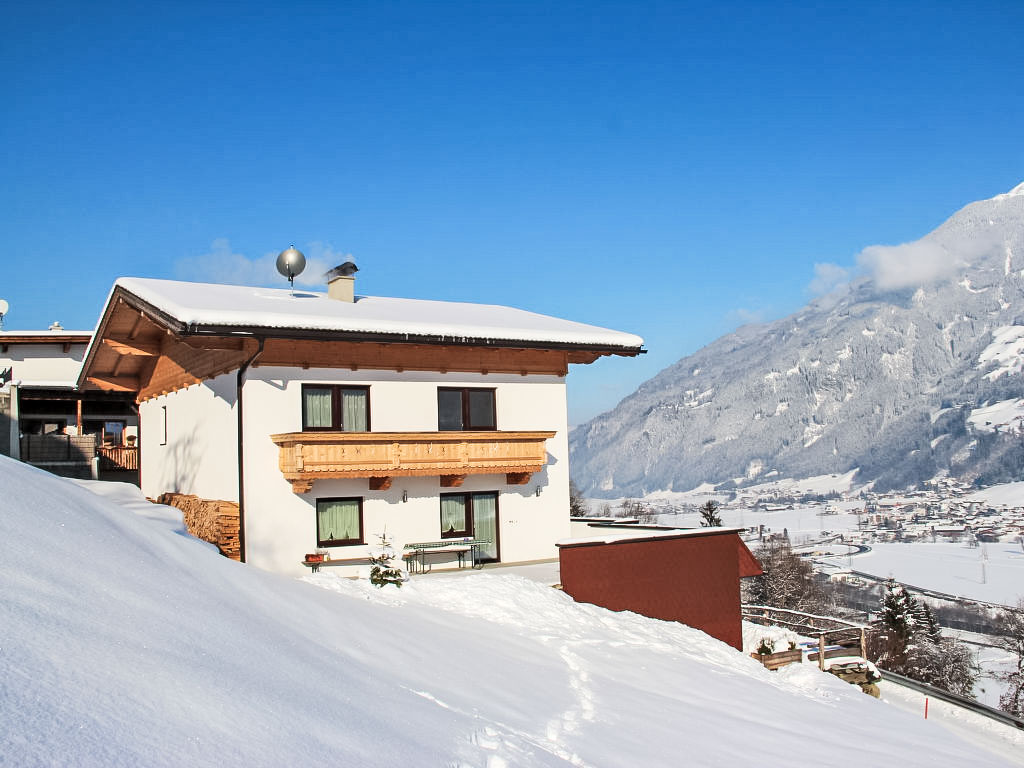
x,y
465,409
333,407
472,514
339,522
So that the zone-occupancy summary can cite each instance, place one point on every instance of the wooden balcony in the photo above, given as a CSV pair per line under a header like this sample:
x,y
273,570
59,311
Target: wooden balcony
x,y
380,456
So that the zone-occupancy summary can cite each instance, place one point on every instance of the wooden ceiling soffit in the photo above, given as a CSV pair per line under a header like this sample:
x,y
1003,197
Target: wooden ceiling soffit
x,y
181,365
114,383
306,353
136,347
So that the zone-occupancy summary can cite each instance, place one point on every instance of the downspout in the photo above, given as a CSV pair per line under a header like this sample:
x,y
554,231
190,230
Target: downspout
x,y
241,460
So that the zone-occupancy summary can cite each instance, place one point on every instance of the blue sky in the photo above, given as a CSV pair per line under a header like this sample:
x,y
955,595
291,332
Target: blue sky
x,y
670,169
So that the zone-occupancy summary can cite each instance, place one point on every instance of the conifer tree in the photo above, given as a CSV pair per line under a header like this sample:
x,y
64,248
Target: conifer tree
x,y
382,571
910,642
577,504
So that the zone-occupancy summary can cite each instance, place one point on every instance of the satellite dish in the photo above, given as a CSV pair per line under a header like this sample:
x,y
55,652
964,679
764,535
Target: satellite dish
x,y
290,263
4,306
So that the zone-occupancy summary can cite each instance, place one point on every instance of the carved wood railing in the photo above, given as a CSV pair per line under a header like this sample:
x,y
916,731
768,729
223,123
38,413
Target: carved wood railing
x,y
308,456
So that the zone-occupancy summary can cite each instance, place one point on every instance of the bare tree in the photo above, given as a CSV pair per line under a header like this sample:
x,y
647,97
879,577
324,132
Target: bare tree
x,y
787,581
709,515
1011,638
639,510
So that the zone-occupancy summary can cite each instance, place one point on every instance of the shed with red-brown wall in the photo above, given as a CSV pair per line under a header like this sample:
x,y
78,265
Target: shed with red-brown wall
x,y
689,576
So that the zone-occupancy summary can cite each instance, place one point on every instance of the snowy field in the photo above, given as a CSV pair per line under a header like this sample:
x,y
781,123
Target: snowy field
x,y
953,568
126,642
803,522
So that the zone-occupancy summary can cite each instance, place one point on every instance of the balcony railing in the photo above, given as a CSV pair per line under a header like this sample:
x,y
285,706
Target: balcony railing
x,y
308,456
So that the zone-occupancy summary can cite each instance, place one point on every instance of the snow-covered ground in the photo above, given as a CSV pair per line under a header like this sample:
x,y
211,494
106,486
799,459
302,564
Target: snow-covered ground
x,y
802,523
953,568
1000,416
1010,494
1005,352
126,642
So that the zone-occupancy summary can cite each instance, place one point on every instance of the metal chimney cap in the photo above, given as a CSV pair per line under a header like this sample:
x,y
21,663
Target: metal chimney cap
x,y
344,270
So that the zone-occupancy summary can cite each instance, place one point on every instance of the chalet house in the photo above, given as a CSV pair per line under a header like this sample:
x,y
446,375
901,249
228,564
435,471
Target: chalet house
x,y
326,418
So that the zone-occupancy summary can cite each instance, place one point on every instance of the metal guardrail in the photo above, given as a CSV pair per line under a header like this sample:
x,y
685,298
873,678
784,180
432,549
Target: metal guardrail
x,y
953,698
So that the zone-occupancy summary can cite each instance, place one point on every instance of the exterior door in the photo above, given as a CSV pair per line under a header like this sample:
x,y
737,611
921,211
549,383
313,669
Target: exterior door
x,y
485,524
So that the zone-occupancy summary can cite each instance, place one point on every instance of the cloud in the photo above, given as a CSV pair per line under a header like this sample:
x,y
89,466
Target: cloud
x,y
827,278
909,265
222,265
744,316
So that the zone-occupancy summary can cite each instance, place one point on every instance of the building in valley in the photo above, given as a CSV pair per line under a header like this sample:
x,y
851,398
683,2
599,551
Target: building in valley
x,y
327,418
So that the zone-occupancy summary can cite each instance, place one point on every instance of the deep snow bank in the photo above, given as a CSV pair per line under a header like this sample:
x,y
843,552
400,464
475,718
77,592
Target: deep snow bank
x,y
126,642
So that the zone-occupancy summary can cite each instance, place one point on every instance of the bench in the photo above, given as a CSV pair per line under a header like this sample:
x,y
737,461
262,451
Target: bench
x,y
418,553
316,565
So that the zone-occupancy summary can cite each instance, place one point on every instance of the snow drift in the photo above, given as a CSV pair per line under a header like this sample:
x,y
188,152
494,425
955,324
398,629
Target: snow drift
x,y
126,642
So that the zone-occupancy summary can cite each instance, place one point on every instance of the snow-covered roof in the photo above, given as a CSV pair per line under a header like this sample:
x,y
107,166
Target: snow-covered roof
x,y
243,307
643,535
37,336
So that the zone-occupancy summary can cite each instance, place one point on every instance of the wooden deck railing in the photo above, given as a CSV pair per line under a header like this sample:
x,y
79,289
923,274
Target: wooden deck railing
x,y
119,457
828,630
308,456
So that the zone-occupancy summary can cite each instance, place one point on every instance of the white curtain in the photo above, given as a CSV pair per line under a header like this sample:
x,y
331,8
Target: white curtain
x,y
485,523
353,410
338,520
453,514
318,407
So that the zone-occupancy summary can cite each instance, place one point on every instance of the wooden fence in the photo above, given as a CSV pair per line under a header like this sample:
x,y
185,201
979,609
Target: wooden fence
x,y
58,449
828,630
119,457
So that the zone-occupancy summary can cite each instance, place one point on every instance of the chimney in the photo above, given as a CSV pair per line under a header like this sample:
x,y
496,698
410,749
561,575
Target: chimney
x,y
341,282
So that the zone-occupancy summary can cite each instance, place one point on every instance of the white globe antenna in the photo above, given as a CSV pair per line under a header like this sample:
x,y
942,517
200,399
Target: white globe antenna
x,y
290,263
4,306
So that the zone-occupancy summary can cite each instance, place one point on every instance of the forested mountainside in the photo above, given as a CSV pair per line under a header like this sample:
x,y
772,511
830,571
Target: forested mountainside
x,y
913,369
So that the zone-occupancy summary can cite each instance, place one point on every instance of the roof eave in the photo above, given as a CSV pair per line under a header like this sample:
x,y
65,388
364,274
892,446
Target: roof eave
x,y
271,332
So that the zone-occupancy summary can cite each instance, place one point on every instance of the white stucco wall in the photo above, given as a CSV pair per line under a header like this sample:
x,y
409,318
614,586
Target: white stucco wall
x,y
42,364
200,452
281,525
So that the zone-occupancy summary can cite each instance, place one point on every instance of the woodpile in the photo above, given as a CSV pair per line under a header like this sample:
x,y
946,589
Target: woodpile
x,y
210,520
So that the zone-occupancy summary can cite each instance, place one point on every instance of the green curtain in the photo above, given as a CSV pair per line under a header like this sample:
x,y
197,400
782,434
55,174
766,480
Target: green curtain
x,y
353,409
453,514
318,407
338,520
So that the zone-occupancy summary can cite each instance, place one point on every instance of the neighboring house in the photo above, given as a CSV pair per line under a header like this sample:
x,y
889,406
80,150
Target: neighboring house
x,y
44,419
687,575
329,418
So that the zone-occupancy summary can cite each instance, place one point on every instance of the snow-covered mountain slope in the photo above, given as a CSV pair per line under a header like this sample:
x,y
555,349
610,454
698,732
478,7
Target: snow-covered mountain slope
x,y
867,377
125,642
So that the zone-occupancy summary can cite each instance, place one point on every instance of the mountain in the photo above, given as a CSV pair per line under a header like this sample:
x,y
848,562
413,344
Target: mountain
x,y
911,370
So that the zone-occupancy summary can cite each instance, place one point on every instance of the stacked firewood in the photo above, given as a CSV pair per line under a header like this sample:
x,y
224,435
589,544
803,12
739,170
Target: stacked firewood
x,y
210,520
